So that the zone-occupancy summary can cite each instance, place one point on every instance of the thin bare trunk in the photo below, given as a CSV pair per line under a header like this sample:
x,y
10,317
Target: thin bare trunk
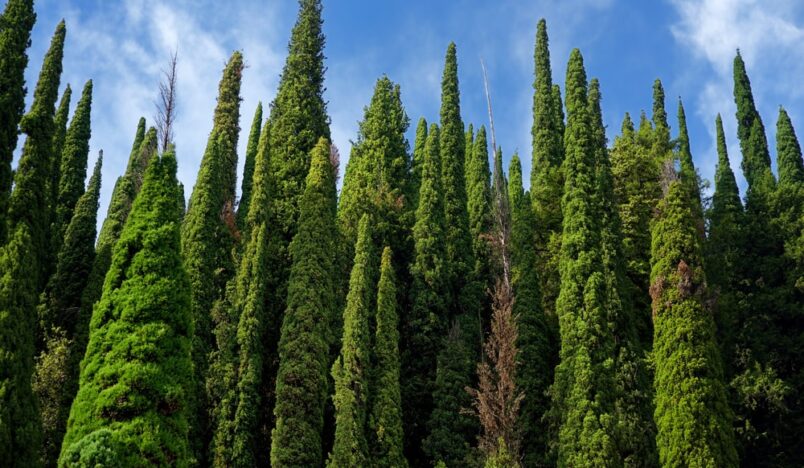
x,y
166,106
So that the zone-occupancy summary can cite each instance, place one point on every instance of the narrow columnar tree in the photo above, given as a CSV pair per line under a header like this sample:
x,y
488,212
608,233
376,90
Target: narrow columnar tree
x,y
59,135
248,171
661,145
15,36
426,322
692,415
301,381
535,372
417,161
756,158
73,168
56,376
690,175
136,377
583,402
243,335
385,435
209,233
478,183
352,367
29,201
546,179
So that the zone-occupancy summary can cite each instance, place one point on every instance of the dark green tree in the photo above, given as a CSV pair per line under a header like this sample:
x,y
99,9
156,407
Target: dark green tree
x,y
692,415
29,203
661,146
243,335
136,377
583,403
306,335
209,234
59,135
535,372
352,368
690,175
546,179
417,161
426,321
73,169
478,183
385,436
15,36
56,375
756,158
248,170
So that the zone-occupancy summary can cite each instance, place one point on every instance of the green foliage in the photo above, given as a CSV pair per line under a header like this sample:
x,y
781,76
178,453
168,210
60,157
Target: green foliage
x,y
73,170
15,36
426,321
385,433
56,374
306,336
692,413
59,136
248,170
535,372
244,336
502,458
756,158
29,201
418,161
546,178
689,174
209,232
478,183
136,377
352,367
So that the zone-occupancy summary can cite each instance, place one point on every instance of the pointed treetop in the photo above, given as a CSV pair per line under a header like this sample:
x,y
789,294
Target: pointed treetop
x,y
788,151
627,127
248,167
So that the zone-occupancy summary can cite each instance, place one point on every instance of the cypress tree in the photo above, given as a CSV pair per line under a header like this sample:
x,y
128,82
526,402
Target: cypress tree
x,y
584,379
59,135
208,233
661,148
243,334
417,162
376,178
56,375
426,321
248,169
692,413
546,179
15,36
756,158
73,169
690,175
301,382
352,367
136,377
535,372
385,433
478,180
29,201
789,162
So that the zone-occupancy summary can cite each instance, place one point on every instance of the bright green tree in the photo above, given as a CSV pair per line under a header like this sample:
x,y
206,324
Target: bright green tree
x,y
15,36
385,436
692,415
546,179
426,322
352,368
304,362
56,375
248,170
73,169
535,373
136,377
209,234
690,176
583,403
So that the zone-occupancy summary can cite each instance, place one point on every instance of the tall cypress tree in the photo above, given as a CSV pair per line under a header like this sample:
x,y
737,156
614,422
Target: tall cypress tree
x,y
56,376
208,232
234,380
690,176
756,158
417,162
478,183
385,433
248,170
29,201
584,379
136,377
662,146
15,36
59,135
534,374
692,413
546,179
301,382
73,169
351,369
426,321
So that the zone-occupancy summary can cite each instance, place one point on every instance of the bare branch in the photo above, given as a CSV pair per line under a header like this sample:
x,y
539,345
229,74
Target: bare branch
x,y
166,106
488,103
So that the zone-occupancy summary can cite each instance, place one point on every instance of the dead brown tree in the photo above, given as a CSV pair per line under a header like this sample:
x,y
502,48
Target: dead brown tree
x,y
166,105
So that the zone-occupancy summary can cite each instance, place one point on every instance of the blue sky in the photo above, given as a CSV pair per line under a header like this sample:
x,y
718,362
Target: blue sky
x,y
123,44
